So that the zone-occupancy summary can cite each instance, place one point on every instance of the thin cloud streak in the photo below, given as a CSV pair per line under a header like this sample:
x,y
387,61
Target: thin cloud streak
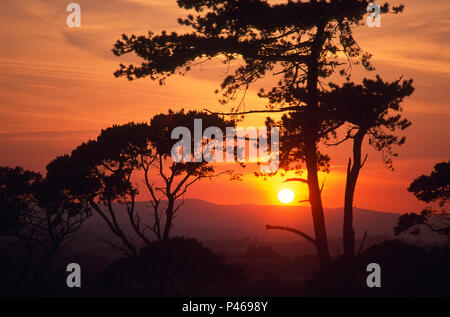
x,y
60,80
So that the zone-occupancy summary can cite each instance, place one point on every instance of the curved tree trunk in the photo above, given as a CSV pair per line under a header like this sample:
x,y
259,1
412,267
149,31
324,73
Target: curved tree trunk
x,y
350,185
311,151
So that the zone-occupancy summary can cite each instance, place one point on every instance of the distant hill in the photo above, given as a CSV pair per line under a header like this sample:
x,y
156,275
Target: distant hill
x,y
232,228
205,218
208,221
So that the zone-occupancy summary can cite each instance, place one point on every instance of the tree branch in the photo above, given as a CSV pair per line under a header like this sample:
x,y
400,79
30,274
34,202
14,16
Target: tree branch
x,y
323,184
254,111
364,161
300,233
302,180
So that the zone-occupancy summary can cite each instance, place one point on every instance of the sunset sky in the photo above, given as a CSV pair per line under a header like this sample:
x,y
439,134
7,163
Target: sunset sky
x,y
57,90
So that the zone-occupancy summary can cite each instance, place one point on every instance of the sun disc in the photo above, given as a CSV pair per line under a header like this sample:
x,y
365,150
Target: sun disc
x,y
286,196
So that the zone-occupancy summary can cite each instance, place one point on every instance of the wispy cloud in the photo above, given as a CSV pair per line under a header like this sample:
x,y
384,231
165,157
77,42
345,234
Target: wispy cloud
x,y
57,87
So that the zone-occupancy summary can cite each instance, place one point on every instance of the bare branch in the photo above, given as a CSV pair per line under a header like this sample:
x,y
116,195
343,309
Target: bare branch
x,y
348,136
364,161
323,184
115,246
300,233
254,111
296,179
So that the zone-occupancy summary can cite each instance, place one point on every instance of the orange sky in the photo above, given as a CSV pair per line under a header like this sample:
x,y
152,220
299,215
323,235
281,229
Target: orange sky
x,y
57,90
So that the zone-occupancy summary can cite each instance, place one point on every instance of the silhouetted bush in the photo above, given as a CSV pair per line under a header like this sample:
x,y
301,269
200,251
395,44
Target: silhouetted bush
x,y
176,266
406,270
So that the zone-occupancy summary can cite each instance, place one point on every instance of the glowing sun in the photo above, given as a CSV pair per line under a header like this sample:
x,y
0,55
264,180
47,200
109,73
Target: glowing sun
x,y
286,196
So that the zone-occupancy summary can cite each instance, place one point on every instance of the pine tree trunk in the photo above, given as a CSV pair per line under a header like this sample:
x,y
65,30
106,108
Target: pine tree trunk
x,y
317,211
350,185
311,156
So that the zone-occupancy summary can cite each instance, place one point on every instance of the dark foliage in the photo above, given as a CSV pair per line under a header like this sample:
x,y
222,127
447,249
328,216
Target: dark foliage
x,y
432,188
406,270
176,266
108,170
37,220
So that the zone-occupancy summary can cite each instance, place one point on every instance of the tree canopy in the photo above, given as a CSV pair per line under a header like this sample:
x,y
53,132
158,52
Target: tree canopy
x,y
429,188
300,43
111,171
